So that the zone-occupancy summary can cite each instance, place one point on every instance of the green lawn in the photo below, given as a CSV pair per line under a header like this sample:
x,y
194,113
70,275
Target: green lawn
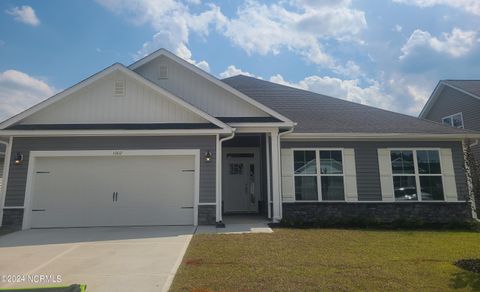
x,y
329,259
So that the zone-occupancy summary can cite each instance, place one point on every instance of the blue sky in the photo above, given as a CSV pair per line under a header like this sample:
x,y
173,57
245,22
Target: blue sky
x,y
385,53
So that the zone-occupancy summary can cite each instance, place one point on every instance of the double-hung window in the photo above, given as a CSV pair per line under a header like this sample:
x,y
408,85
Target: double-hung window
x,y
318,175
417,175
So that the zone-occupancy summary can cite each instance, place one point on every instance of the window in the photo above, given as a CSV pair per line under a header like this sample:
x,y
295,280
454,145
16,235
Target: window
x,y
318,175
417,175
455,120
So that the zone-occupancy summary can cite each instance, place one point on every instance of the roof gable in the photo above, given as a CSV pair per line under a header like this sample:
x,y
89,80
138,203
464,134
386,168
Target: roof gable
x,y
470,88
200,88
92,101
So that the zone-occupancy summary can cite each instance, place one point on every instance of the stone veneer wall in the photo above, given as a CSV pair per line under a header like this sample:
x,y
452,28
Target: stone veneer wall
x,y
12,219
427,212
206,214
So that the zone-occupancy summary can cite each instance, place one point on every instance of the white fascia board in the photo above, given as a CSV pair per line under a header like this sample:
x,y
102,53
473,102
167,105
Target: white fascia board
x,y
175,98
101,74
462,91
68,133
85,82
209,77
261,125
433,97
372,136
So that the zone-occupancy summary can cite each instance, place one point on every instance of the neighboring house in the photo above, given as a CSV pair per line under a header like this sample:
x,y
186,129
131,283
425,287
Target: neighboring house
x,y
456,103
161,142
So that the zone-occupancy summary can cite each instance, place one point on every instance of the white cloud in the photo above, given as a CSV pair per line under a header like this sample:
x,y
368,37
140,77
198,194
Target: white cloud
x,y
173,22
233,71
351,90
19,91
24,14
300,26
456,44
398,28
470,6
296,25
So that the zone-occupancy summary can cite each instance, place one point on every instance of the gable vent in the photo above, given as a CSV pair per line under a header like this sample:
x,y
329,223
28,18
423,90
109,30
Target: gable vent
x,y
162,72
119,88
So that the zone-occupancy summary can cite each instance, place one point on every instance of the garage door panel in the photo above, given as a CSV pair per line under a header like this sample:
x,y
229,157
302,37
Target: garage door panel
x,y
78,191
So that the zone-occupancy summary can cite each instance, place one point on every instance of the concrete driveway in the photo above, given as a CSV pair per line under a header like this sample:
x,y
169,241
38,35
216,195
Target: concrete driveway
x,y
106,259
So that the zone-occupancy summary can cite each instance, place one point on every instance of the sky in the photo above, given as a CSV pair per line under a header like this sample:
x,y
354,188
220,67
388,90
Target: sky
x,y
385,53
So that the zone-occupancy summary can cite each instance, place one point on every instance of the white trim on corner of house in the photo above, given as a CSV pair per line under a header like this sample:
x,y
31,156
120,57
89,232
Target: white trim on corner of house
x,y
6,170
209,77
26,224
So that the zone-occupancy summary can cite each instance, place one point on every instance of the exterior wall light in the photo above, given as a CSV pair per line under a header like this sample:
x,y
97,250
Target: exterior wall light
x,y
18,158
208,156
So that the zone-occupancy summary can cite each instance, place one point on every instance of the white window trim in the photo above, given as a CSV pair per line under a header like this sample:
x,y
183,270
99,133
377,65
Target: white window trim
x,y
417,175
451,117
318,175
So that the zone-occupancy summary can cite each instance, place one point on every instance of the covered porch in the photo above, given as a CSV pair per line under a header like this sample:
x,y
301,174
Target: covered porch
x,y
248,177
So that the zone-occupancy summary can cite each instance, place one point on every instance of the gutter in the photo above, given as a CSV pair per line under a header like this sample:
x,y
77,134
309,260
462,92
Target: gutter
x,y
218,177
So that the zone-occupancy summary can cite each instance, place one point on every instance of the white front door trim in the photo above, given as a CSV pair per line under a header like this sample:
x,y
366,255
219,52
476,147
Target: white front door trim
x,y
106,153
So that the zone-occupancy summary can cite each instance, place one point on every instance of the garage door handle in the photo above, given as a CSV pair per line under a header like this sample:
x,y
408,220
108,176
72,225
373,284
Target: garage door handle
x,y
184,207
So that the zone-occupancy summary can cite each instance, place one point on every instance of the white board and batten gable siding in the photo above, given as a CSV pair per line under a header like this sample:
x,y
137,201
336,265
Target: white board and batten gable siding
x,y
349,171
196,89
103,102
386,175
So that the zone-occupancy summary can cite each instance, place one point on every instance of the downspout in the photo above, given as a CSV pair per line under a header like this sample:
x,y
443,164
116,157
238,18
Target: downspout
x,y
218,189
280,165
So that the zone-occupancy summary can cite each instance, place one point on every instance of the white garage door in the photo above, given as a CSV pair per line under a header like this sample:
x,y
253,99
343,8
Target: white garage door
x,y
113,191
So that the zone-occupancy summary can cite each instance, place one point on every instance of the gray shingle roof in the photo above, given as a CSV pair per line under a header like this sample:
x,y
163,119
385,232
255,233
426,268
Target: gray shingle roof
x,y
317,113
471,86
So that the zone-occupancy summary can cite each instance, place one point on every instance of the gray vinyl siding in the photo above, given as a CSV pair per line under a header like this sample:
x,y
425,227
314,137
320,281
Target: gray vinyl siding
x,y
18,174
452,101
366,160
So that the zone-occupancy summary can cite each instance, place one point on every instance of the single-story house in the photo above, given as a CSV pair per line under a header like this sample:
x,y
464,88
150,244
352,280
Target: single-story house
x,y
162,142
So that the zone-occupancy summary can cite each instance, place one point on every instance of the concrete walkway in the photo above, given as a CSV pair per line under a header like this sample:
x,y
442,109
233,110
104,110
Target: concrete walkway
x,y
106,259
235,224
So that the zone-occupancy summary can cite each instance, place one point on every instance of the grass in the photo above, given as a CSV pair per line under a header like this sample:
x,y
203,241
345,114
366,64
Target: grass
x,y
329,259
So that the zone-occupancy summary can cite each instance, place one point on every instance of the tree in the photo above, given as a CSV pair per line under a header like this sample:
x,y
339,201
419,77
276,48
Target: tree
x,y
472,170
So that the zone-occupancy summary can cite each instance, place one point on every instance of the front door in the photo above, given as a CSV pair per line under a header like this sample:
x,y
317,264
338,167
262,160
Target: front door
x,y
241,181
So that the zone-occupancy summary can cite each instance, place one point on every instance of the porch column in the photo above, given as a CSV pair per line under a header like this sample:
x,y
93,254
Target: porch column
x,y
276,180
218,180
